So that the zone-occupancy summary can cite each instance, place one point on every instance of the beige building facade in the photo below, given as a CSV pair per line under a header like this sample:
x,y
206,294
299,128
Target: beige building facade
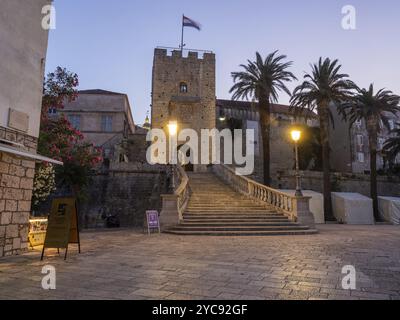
x,y
103,117
23,46
350,144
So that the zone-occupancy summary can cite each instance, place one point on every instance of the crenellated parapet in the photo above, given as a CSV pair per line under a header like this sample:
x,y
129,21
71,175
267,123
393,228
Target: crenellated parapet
x,y
191,54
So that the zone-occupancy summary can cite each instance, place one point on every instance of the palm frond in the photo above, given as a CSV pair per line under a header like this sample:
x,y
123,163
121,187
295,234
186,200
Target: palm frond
x,y
324,86
262,78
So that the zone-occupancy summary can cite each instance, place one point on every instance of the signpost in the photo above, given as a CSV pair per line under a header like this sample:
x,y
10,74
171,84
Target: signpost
x,y
62,229
153,221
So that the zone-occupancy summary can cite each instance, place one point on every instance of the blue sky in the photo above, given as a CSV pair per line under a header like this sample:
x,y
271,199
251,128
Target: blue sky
x,y
110,43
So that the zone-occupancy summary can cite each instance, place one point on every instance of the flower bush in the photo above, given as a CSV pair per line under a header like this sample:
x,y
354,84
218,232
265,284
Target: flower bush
x,y
44,183
59,140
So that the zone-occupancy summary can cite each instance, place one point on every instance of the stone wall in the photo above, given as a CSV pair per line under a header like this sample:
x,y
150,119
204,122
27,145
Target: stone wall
x,y
16,184
341,182
126,193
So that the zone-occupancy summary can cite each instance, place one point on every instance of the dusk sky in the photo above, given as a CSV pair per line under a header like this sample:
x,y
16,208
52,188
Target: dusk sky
x,y
110,44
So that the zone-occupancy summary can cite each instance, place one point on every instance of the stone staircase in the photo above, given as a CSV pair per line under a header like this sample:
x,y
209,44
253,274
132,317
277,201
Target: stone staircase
x,y
216,209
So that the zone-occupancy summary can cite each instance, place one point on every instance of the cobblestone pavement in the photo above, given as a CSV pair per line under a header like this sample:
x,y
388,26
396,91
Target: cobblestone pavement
x,y
126,264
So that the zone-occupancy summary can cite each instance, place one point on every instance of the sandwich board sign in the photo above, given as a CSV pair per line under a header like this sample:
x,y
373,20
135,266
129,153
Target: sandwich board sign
x,y
62,228
153,221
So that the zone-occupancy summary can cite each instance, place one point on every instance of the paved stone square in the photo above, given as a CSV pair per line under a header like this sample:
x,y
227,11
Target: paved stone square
x,y
126,264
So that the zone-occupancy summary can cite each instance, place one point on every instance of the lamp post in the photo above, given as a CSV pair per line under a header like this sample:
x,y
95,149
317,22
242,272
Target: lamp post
x,y
296,136
173,131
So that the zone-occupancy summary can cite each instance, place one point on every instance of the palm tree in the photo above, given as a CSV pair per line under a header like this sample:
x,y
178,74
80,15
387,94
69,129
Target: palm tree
x,y
374,109
391,147
322,88
262,80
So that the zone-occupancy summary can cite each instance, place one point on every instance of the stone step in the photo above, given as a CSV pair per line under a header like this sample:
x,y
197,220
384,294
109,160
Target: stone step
x,y
243,223
231,217
231,208
210,200
224,201
231,204
247,213
238,228
216,209
239,221
228,211
243,233
240,207
215,194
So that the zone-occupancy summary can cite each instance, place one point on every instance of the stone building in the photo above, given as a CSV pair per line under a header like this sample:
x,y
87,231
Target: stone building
x,y
183,91
350,145
103,117
22,63
283,117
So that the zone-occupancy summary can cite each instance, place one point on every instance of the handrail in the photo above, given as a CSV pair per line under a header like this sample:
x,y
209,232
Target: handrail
x,y
117,135
296,208
182,192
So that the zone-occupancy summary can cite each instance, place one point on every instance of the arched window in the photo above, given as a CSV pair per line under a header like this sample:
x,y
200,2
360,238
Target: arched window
x,y
183,87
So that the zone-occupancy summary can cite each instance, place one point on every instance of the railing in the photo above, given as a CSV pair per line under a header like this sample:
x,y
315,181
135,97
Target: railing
x,y
174,205
296,208
182,192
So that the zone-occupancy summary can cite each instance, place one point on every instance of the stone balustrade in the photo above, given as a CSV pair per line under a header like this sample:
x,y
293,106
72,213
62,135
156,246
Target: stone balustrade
x,y
174,205
296,208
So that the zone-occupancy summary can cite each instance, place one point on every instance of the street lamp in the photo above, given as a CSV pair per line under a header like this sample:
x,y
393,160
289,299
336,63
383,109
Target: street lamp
x,y
172,128
173,131
222,116
296,136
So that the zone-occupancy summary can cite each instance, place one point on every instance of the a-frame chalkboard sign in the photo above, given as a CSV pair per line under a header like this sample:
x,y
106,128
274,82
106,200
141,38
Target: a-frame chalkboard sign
x,y
62,228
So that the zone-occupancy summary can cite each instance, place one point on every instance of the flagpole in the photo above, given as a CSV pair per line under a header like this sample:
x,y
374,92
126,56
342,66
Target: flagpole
x,y
183,16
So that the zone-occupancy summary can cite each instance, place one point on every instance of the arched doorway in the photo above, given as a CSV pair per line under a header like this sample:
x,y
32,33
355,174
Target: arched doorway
x,y
189,167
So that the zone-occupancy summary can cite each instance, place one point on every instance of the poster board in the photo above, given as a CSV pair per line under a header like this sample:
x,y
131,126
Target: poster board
x,y
62,228
153,221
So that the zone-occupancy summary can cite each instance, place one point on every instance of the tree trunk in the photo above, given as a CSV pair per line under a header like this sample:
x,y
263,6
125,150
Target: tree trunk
x,y
265,114
324,125
373,138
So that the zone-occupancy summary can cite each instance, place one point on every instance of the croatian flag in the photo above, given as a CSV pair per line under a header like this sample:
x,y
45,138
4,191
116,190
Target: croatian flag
x,y
187,22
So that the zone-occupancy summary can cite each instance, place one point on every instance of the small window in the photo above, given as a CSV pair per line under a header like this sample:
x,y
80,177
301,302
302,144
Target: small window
x,y
360,157
360,140
107,153
106,123
183,87
391,124
75,121
52,110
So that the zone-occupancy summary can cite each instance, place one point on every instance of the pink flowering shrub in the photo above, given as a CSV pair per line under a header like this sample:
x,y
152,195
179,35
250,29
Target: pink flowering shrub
x,y
59,140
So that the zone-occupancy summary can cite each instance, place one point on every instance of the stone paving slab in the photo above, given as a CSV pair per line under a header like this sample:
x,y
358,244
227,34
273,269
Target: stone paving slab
x,y
127,265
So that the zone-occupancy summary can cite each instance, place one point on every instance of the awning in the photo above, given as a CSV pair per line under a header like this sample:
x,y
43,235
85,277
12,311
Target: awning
x,y
28,155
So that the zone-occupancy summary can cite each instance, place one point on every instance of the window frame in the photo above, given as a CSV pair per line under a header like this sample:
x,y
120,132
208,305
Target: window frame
x,y
183,87
73,119
107,126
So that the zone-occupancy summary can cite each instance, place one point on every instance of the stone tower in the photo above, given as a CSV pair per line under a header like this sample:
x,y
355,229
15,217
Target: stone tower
x,y
183,91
